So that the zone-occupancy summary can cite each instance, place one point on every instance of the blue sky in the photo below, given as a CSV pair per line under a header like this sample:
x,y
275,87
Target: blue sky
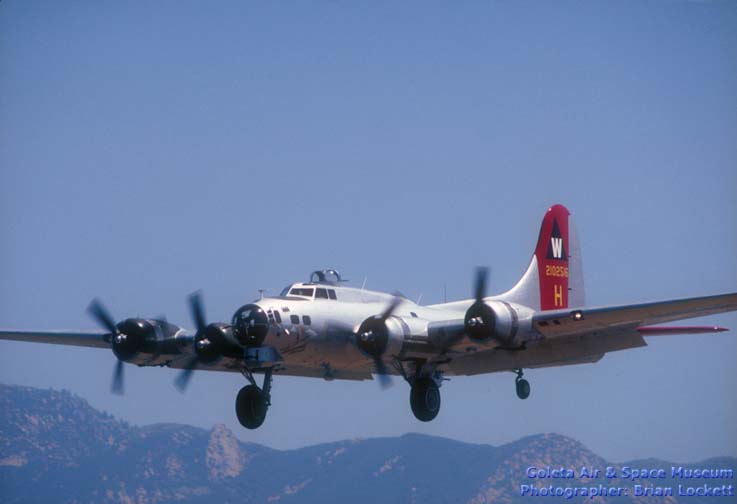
x,y
150,150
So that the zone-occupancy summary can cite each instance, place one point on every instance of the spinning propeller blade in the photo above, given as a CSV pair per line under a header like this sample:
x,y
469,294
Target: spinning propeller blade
x,y
197,312
183,378
102,316
380,368
385,380
117,386
389,310
480,286
105,319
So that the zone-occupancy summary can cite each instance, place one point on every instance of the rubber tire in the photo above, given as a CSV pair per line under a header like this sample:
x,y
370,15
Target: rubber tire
x,y
424,399
251,407
523,388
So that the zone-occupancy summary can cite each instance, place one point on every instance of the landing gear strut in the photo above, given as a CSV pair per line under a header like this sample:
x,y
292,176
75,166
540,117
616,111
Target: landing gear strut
x,y
253,402
522,385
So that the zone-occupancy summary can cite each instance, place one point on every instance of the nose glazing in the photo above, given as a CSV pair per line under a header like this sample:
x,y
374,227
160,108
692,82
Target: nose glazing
x,y
250,325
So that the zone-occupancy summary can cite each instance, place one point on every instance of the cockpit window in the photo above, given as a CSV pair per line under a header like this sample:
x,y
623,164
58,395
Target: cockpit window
x,y
284,291
331,293
321,293
301,291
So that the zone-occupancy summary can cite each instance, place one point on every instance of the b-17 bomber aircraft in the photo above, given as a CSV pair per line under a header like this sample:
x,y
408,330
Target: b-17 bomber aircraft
x,y
325,329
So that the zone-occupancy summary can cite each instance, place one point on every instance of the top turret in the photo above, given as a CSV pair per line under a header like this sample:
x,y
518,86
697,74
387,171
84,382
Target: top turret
x,y
327,276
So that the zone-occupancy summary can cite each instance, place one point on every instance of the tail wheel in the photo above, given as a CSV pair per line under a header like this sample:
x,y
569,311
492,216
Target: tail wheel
x,y
425,399
523,388
251,407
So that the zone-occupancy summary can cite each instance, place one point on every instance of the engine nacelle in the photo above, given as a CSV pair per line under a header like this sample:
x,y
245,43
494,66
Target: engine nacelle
x,y
377,337
496,320
217,341
145,342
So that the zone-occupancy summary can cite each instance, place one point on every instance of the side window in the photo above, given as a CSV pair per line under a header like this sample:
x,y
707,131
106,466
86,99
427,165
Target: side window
x,y
294,319
302,292
321,294
277,316
331,293
306,319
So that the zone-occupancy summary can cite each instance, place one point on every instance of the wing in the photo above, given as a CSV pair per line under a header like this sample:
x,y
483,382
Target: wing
x,y
581,335
94,339
581,321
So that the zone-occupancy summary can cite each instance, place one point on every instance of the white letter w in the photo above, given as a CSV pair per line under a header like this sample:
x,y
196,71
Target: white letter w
x,y
557,244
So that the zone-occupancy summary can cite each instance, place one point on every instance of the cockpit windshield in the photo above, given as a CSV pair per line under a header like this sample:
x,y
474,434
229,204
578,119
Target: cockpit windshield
x,y
302,291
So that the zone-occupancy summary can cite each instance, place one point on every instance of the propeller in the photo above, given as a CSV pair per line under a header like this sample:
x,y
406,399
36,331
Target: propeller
x,y
117,386
385,381
372,338
480,283
479,319
389,310
103,317
211,342
197,312
183,378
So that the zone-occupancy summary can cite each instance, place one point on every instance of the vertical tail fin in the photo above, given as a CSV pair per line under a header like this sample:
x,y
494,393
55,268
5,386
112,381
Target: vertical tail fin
x,y
554,278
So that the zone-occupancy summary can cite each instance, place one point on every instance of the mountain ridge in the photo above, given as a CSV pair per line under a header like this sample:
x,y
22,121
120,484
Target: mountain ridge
x,y
55,447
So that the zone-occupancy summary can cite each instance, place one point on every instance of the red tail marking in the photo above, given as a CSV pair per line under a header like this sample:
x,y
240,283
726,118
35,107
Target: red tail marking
x,y
552,258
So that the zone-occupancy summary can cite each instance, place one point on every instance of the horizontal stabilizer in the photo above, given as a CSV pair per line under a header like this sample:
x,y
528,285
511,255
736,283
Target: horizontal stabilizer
x,y
666,331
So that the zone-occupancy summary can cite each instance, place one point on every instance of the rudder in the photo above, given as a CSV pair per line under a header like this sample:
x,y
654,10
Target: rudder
x,y
554,278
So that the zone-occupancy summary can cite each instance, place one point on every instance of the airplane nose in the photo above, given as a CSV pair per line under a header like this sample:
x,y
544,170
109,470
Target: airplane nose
x,y
250,325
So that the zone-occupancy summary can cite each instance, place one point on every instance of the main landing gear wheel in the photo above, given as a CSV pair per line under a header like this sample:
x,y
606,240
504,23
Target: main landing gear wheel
x,y
522,386
424,399
251,406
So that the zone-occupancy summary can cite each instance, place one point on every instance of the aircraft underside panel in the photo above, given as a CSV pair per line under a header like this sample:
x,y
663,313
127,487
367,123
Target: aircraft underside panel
x,y
332,374
546,353
282,369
